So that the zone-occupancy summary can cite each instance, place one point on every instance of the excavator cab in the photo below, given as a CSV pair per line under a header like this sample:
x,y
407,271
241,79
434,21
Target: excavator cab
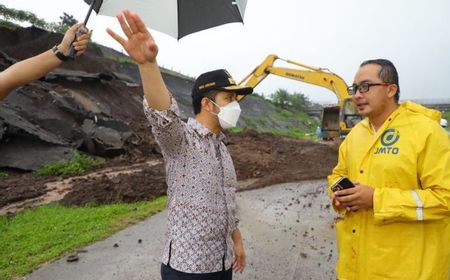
x,y
349,116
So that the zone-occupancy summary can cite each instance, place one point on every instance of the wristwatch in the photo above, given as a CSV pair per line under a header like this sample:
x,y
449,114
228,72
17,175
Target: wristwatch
x,y
59,54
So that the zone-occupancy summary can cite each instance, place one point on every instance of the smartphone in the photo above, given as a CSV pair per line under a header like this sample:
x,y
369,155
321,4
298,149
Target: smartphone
x,y
342,184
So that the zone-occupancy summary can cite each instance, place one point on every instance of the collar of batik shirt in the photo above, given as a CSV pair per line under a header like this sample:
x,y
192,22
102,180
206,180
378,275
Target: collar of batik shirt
x,y
203,130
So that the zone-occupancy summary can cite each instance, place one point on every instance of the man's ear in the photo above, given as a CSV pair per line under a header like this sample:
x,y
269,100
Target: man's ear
x,y
392,90
206,104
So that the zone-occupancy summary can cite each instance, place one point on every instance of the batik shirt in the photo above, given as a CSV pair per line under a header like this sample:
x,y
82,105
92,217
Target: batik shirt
x,y
201,184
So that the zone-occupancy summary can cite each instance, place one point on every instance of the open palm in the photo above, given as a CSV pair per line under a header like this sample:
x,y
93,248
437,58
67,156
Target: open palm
x,y
139,43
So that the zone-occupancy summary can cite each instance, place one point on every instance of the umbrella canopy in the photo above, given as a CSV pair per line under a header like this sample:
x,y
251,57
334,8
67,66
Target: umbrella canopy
x,y
177,18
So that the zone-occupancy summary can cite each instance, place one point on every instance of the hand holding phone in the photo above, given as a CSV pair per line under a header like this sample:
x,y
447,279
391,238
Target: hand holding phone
x,y
342,184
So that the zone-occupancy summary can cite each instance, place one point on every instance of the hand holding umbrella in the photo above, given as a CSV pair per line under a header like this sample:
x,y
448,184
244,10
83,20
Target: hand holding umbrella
x,y
139,43
70,39
39,65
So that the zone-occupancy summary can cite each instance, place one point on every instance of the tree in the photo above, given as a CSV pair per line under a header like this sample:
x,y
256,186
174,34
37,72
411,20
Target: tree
x,y
294,101
299,101
10,14
66,22
280,98
22,16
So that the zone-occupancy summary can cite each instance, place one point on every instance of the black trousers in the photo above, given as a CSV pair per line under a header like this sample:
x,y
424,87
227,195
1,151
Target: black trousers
x,y
168,273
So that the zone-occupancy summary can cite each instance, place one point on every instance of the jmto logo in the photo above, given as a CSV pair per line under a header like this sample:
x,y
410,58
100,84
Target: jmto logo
x,y
389,138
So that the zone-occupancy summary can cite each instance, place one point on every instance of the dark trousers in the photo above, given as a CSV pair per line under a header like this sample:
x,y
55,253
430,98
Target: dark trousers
x,y
168,273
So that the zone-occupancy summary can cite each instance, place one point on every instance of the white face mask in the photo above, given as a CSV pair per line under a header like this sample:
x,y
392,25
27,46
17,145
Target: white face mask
x,y
228,114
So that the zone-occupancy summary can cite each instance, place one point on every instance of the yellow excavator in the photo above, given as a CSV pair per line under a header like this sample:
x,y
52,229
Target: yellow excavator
x,y
337,120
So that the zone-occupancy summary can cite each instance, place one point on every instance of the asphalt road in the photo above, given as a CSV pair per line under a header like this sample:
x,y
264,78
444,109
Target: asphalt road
x,y
287,230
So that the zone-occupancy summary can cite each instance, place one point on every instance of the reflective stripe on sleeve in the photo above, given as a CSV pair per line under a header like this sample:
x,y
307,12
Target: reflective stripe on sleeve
x,y
419,209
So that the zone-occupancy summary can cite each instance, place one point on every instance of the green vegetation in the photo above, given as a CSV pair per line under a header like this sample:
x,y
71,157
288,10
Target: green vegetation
x,y
285,116
249,122
446,115
302,125
3,174
8,15
236,129
290,101
298,115
294,133
259,96
290,109
78,165
45,233
8,25
176,74
121,58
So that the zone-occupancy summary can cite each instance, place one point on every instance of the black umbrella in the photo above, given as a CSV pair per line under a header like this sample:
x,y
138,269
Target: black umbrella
x,y
176,18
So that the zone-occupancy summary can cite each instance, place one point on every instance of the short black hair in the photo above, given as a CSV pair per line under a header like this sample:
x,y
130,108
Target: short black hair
x,y
388,73
197,100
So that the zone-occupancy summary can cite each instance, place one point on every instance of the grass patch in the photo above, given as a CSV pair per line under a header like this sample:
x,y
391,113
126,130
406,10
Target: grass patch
x,y
121,59
294,133
176,74
78,165
3,174
282,114
42,234
249,122
235,129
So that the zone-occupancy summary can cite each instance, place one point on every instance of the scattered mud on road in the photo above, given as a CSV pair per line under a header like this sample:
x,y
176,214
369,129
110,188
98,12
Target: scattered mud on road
x,y
287,230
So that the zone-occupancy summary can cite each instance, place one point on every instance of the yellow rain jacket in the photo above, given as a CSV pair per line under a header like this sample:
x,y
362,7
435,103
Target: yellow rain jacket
x,y
407,233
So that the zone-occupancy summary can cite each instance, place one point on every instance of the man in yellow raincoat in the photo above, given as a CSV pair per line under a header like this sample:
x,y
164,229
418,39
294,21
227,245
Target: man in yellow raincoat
x,y
395,222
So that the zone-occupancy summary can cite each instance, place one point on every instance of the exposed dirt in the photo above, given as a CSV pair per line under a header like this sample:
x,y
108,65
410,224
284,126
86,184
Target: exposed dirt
x,y
274,159
260,159
143,184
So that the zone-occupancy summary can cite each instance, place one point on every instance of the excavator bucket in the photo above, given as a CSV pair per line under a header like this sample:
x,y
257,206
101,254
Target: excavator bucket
x,y
330,123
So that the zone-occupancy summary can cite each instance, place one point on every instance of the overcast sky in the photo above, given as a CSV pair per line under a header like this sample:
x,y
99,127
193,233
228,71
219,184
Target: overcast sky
x,y
337,35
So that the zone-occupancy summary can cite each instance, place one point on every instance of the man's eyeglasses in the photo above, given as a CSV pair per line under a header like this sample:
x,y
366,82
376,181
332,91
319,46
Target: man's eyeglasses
x,y
364,87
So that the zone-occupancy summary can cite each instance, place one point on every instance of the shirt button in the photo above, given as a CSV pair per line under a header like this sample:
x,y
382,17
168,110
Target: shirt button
x,y
354,230
361,171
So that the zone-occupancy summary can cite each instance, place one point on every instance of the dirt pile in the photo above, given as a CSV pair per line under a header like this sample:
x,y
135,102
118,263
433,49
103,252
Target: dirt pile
x,y
148,184
271,159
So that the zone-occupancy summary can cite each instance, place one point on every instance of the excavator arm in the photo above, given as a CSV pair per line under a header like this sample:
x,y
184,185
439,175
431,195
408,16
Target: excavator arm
x,y
337,120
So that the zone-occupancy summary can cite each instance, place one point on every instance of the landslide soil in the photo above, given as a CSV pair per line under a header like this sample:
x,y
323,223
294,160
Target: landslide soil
x,y
260,160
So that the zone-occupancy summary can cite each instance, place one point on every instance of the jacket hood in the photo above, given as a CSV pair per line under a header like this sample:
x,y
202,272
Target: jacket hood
x,y
417,108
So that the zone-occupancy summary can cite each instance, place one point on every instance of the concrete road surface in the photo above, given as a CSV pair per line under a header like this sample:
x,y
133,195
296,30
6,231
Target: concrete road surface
x,y
287,230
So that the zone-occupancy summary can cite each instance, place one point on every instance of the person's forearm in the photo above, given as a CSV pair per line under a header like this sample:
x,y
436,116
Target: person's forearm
x,y
236,236
155,91
26,71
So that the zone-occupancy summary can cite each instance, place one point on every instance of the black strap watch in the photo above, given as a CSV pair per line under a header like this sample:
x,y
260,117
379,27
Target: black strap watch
x,y
59,54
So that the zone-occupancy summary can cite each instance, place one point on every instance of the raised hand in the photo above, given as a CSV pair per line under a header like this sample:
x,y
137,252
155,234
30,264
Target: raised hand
x,y
139,43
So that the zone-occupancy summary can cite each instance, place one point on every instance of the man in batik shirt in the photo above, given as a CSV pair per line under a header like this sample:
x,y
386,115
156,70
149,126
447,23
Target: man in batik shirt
x,y
203,241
